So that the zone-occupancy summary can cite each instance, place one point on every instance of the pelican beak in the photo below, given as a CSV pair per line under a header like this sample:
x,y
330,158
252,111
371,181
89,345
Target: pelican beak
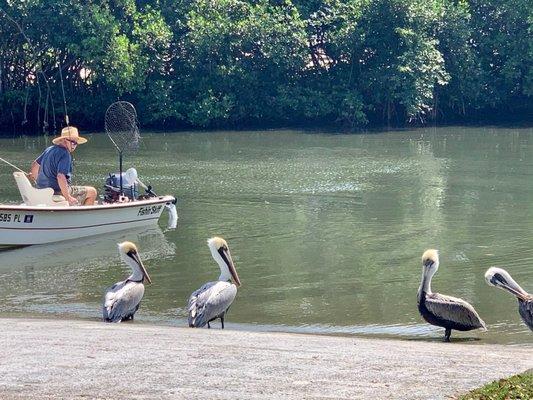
x,y
498,280
136,258
226,255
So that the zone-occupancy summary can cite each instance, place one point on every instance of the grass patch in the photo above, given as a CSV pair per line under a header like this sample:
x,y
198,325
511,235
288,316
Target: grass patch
x,y
517,387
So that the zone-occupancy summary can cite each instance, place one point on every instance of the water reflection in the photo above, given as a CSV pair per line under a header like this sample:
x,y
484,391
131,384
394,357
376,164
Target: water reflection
x,y
70,276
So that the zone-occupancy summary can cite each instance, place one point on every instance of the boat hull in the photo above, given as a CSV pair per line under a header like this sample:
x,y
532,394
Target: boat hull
x,y
22,225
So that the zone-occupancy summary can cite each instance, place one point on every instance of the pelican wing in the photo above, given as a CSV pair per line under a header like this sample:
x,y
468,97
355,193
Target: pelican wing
x,y
453,309
526,311
210,301
122,300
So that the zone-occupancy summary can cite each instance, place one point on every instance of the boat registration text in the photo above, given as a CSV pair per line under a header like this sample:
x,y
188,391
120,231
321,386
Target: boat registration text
x,y
21,218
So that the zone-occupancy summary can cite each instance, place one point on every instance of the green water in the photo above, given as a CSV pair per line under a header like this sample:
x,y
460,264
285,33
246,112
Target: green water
x,y
326,230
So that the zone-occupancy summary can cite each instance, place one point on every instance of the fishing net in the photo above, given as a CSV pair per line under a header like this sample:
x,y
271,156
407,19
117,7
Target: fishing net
x,y
121,126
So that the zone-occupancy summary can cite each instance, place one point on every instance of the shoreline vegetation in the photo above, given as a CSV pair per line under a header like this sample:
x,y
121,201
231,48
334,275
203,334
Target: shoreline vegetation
x,y
352,64
316,129
515,387
67,357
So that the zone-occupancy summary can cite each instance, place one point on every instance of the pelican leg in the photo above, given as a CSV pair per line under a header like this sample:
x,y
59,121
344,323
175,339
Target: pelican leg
x,y
208,326
447,334
222,320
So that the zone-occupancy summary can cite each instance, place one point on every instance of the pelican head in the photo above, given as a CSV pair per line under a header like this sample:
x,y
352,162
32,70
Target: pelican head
x,y
430,264
430,260
500,278
220,252
130,255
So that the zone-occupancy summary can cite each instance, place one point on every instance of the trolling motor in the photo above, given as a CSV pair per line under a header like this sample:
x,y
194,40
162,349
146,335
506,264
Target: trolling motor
x,y
125,187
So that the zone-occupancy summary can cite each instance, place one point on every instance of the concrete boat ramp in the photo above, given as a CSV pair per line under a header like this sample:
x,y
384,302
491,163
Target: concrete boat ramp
x,y
72,359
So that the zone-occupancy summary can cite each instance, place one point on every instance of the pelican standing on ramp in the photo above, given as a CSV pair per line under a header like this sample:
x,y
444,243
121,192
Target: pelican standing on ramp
x,y
122,300
500,278
213,299
441,310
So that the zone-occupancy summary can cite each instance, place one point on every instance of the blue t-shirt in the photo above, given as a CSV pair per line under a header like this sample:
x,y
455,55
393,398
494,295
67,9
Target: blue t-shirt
x,y
54,160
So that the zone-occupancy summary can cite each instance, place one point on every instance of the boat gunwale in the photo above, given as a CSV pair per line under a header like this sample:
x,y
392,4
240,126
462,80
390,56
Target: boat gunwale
x,y
98,207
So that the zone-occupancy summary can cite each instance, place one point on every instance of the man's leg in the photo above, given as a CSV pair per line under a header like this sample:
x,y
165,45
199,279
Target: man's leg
x,y
91,196
86,195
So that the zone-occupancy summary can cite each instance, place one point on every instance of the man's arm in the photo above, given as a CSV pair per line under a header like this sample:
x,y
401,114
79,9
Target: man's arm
x,y
34,170
63,185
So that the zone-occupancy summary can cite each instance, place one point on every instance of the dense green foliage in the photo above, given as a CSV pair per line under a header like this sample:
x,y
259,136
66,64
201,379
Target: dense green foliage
x,y
518,387
229,63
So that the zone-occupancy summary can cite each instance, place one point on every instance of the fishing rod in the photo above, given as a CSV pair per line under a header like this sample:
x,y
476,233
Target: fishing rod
x,y
14,166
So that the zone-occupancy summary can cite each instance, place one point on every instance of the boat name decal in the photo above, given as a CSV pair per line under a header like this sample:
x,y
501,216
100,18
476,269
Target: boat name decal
x,y
148,210
18,218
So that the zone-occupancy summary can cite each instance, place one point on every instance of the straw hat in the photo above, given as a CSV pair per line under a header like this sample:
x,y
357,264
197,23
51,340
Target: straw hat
x,y
70,132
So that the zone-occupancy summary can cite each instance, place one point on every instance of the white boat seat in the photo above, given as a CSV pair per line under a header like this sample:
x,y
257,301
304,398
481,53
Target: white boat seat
x,y
37,197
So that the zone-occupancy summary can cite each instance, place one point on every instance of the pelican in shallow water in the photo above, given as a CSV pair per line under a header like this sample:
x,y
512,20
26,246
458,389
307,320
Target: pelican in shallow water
x,y
122,300
441,310
500,278
213,299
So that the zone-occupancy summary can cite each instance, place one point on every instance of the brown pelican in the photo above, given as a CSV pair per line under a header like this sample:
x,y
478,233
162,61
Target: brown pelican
x,y
440,310
500,278
122,300
213,299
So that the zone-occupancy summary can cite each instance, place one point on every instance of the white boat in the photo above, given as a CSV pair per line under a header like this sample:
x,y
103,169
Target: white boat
x,y
42,220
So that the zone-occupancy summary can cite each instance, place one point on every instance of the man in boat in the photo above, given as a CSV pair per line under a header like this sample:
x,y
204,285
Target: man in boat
x,y
53,169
